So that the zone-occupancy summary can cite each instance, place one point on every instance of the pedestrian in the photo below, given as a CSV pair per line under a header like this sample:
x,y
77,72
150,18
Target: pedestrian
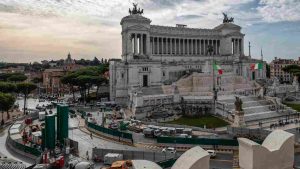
x,y
91,135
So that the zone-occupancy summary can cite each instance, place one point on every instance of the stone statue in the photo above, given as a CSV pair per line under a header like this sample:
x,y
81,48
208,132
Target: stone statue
x,y
226,19
238,104
275,82
135,10
296,83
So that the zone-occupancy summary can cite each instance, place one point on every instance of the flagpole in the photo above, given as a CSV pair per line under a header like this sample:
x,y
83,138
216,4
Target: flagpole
x,y
210,50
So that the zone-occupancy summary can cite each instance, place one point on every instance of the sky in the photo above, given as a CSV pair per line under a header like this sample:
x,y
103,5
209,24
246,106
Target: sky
x,y
35,30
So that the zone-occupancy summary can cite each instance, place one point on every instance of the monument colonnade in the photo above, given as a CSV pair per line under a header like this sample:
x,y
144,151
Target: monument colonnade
x,y
178,46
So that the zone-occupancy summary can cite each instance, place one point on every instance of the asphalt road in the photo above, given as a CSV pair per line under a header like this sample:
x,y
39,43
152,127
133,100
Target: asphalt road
x,y
4,151
221,161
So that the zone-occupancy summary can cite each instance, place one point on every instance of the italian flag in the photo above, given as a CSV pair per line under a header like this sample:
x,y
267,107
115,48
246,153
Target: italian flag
x,y
218,68
256,66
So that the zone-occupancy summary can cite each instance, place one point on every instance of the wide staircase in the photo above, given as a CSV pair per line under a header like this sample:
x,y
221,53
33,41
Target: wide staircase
x,y
201,84
257,109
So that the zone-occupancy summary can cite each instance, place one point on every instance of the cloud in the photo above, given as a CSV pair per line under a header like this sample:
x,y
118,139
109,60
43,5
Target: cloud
x,y
279,10
51,28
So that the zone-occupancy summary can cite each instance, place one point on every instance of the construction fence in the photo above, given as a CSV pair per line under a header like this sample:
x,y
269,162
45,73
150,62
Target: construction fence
x,y
198,141
254,134
99,153
114,134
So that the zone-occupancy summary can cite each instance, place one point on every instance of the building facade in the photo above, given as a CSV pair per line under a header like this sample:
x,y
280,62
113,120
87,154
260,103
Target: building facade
x,y
52,76
155,56
276,69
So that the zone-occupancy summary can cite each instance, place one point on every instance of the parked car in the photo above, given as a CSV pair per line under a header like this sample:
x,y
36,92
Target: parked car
x,y
113,126
212,153
169,149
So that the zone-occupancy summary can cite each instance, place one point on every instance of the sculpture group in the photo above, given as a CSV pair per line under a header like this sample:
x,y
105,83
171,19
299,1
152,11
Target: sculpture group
x,y
238,104
226,19
135,10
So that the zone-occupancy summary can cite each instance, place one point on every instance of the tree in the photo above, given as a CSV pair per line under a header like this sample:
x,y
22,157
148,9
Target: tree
x,y
84,82
6,102
17,78
25,89
70,80
85,78
4,76
13,77
293,69
37,80
6,87
95,62
98,81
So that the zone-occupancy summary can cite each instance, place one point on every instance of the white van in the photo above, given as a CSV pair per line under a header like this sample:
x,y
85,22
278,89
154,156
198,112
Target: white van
x,y
212,153
112,157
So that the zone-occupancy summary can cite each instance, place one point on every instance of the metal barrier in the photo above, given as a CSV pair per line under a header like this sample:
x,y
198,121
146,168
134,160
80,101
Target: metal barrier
x,y
198,141
30,151
260,134
110,132
99,153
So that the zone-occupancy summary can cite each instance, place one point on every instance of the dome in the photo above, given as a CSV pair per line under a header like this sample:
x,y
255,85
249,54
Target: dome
x,y
135,18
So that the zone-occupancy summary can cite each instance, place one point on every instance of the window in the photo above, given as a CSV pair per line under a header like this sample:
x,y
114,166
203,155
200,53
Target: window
x,y
145,69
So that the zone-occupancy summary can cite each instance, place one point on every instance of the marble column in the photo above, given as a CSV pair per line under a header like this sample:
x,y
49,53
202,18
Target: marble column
x,y
192,47
215,46
157,45
162,46
201,47
135,43
167,46
237,46
142,44
205,41
184,46
129,43
197,47
242,46
152,50
200,41
188,47
218,47
233,46
179,46
175,43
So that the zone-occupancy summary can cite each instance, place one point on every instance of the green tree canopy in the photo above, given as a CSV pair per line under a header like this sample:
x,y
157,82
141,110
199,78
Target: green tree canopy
x,y
6,87
6,102
17,78
25,89
291,68
13,77
37,80
86,77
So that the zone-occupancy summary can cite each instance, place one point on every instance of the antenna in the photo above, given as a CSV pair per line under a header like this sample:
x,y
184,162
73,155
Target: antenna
x,y
249,49
261,55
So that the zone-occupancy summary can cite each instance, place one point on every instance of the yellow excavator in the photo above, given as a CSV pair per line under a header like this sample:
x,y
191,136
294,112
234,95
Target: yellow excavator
x,y
124,164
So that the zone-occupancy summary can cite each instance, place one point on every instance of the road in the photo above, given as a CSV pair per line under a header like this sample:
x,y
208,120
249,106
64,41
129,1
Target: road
x,y
221,161
5,152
